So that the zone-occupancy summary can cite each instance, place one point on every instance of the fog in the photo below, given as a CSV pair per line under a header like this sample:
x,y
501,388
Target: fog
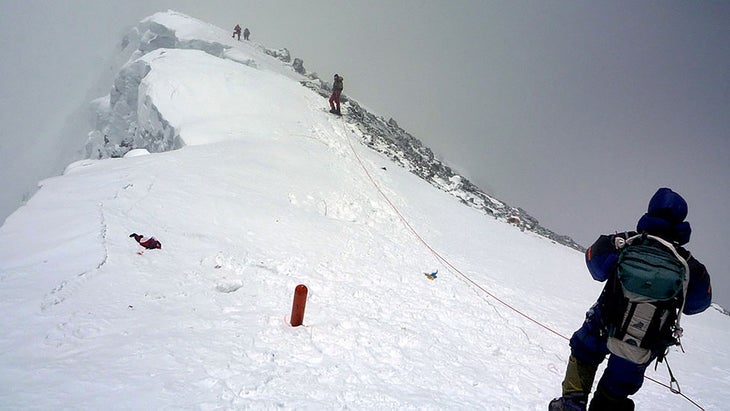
x,y
575,111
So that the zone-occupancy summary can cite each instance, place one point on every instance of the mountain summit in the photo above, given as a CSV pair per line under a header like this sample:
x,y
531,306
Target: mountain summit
x,y
224,151
129,117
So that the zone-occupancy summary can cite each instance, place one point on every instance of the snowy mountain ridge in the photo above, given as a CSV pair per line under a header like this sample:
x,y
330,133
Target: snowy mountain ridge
x,y
124,123
415,301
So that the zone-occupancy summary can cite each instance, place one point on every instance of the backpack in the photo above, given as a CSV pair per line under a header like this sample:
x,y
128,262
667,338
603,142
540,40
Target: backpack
x,y
647,305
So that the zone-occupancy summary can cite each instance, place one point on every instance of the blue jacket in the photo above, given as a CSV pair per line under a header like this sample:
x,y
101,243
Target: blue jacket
x,y
602,259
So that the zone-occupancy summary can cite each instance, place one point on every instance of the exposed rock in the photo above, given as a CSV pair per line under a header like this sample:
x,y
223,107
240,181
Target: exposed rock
x,y
281,54
401,147
298,66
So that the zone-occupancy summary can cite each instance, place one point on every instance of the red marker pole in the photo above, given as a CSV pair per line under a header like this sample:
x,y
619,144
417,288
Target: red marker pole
x,y
300,301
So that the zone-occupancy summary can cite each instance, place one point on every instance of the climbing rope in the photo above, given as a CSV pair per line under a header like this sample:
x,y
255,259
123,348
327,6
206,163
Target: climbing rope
x,y
466,278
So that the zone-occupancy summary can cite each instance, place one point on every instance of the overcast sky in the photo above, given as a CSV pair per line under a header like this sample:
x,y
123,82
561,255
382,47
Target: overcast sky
x,y
575,111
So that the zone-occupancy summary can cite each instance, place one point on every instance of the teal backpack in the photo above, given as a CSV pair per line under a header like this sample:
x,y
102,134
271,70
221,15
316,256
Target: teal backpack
x,y
653,280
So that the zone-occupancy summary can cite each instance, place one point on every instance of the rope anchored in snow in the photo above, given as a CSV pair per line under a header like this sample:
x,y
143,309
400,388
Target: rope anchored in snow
x,y
466,278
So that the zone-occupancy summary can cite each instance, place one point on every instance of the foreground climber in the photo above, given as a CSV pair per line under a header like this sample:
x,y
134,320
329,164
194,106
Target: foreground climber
x,y
651,281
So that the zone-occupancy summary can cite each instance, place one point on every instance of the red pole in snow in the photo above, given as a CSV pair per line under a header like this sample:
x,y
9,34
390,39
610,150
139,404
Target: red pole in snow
x,y
300,301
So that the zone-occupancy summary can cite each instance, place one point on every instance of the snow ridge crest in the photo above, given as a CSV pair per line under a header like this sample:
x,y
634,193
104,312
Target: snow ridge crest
x,y
128,119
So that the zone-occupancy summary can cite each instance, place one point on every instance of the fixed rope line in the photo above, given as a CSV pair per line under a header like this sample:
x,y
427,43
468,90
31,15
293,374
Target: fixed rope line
x,y
439,256
466,278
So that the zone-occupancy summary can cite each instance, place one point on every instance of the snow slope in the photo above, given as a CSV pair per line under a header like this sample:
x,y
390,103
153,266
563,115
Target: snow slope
x,y
267,191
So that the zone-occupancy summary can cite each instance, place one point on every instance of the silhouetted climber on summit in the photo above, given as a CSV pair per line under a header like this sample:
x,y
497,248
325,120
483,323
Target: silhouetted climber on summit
x,y
237,31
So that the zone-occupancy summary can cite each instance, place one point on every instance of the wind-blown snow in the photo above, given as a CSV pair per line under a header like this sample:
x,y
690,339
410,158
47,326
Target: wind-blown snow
x,y
266,191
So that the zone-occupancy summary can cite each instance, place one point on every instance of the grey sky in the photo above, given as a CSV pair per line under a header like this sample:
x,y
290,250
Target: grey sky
x,y
575,111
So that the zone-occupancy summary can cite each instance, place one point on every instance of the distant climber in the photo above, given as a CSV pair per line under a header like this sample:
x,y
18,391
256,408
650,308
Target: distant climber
x,y
237,32
149,243
246,33
335,97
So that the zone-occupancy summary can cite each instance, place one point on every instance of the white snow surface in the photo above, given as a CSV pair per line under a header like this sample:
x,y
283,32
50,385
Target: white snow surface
x,y
269,191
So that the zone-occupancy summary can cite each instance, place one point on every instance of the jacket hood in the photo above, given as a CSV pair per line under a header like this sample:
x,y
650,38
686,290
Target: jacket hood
x,y
665,217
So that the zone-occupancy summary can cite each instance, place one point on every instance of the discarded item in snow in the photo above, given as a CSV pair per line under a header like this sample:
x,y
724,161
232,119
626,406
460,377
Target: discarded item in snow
x,y
148,243
431,276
